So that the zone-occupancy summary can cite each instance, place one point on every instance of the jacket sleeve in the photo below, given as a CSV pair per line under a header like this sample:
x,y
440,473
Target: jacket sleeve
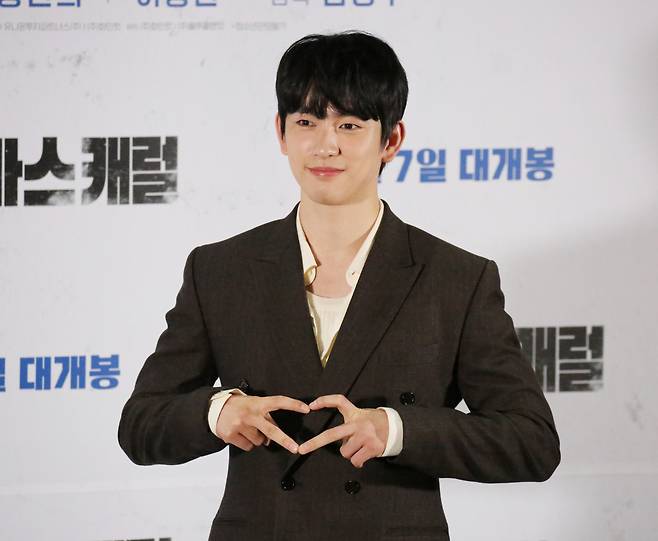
x,y
165,420
509,434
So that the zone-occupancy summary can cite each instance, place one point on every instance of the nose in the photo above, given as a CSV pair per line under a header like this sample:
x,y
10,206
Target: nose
x,y
326,142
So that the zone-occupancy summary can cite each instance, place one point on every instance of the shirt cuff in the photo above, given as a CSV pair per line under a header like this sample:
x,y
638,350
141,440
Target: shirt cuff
x,y
217,402
395,433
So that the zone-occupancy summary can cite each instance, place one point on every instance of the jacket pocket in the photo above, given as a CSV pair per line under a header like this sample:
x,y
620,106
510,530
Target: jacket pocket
x,y
416,533
229,529
229,521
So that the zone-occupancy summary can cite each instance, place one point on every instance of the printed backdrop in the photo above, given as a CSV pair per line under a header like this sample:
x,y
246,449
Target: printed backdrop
x,y
133,130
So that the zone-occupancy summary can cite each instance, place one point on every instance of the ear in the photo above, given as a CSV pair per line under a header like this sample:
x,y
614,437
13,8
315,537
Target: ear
x,y
280,136
394,142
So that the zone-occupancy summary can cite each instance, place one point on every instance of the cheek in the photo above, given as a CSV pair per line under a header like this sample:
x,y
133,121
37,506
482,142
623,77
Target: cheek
x,y
295,156
368,153
297,147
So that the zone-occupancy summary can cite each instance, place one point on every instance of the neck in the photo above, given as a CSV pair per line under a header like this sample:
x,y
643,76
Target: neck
x,y
335,232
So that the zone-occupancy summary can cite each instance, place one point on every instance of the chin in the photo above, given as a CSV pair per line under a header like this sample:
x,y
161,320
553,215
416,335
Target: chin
x,y
326,199
329,193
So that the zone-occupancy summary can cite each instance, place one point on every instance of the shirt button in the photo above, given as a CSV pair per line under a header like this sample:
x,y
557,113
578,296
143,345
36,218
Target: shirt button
x,y
288,483
352,487
408,398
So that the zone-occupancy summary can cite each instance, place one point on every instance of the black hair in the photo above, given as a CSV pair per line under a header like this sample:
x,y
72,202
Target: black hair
x,y
354,72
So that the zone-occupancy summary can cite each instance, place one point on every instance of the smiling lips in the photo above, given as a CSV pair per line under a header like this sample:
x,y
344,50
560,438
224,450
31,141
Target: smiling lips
x,y
325,171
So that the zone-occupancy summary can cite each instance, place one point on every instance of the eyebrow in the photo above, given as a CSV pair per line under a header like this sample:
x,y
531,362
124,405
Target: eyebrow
x,y
338,115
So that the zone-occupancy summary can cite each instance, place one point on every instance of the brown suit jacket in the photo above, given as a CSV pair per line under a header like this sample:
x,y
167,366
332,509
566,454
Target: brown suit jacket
x,y
426,327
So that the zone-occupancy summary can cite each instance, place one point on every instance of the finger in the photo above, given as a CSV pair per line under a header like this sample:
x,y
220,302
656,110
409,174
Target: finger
x,y
280,402
339,401
269,418
242,442
361,457
350,447
272,431
253,435
333,434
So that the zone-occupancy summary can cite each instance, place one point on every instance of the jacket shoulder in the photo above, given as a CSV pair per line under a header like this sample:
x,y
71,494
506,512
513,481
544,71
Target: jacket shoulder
x,y
449,263
243,243
434,250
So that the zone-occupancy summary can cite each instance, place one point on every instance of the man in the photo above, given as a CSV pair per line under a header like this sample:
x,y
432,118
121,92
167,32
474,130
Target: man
x,y
343,337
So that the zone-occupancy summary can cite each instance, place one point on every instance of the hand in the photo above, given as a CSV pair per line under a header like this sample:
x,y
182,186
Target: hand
x,y
245,421
363,434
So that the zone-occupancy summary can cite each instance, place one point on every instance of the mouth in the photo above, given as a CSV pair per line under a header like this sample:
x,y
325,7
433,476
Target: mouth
x,y
325,171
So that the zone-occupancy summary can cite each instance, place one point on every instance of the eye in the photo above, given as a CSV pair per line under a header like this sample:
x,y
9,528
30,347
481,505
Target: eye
x,y
353,126
301,121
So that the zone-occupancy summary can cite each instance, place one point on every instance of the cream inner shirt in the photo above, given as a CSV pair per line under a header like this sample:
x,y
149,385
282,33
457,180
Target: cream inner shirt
x,y
327,314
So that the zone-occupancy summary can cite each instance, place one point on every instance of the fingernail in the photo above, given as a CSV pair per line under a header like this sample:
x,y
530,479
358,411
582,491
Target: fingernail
x,y
293,448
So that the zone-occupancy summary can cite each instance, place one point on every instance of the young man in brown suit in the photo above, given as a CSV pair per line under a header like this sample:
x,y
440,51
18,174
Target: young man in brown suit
x,y
343,338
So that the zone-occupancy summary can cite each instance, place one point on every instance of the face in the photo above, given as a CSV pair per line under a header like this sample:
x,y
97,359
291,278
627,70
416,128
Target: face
x,y
336,160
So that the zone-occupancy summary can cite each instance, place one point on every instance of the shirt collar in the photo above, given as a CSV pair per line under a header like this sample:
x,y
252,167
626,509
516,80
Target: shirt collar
x,y
355,267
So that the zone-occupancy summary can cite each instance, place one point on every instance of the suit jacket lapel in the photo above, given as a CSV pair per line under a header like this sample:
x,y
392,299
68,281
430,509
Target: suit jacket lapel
x,y
387,277
278,273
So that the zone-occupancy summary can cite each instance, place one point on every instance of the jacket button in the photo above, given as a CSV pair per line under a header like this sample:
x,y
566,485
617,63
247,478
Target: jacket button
x,y
408,398
243,385
352,487
288,483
